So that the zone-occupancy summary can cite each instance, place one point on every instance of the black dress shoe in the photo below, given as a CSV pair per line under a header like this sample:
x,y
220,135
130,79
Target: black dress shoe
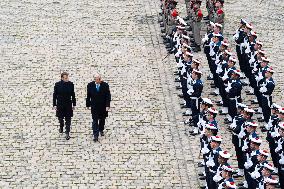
x,y
185,114
177,80
200,174
260,120
264,130
96,139
237,176
61,130
212,93
253,102
202,178
200,165
222,113
194,134
228,122
67,137
219,104
102,133
242,187
209,78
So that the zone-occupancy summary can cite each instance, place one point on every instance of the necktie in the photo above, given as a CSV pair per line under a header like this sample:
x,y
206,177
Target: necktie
x,y
98,87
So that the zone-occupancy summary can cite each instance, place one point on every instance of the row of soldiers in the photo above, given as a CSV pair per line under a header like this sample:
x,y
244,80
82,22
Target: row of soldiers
x,y
228,83
252,161
192,22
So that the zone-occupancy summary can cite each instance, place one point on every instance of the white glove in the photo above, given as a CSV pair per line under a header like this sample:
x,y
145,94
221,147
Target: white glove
x,y
277,149
244,148
225,77
233,125
205,38
205,150
210,163
255,175
274,134
217,178
219,69
241,134
263,89
227,89
281,161
248,164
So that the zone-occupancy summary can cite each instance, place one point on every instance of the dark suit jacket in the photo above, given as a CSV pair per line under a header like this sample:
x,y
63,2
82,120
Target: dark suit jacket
x,y
63,98
98,100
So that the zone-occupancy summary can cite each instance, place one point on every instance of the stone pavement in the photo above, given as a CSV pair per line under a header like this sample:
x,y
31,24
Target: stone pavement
x,y
145,145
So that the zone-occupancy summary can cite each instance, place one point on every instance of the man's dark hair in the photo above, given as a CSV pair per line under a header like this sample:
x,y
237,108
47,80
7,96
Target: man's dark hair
x,y
63,74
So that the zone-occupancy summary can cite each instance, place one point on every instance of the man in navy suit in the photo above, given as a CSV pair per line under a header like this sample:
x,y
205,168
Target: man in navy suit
x,y
98,100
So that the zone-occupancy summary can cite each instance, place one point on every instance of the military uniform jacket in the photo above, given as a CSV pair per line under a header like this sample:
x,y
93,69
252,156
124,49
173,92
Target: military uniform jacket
x,y
213,159
236,88
251,160
267,87
237,128
197,86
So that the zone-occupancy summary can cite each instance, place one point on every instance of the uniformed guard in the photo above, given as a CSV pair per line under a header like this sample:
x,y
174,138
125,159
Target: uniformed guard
x,y
251,161
223,161
256,175
265,174
237,131
270,128
205,104
280,151
194,93
226,176
212,161
233,90
197,18
266,89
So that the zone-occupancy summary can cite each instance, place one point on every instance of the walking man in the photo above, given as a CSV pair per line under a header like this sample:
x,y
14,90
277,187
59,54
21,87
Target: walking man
x,y
63,99
98,100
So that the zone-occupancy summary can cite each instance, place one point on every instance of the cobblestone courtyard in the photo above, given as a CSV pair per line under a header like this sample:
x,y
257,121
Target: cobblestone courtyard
x,y
145,145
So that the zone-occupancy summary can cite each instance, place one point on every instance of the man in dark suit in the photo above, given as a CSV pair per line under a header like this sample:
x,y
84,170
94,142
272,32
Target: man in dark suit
x,y
63,99
98,99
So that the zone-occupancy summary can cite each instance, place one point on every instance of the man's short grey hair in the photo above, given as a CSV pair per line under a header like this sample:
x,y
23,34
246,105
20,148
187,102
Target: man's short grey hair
x,y
97,75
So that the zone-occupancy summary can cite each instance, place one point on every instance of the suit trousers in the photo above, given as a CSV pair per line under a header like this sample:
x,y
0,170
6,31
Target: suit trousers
x,y
67,123
98,125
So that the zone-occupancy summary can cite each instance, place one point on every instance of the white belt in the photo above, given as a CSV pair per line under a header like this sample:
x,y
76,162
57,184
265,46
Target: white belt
x,y
196,101
268,100
235,98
